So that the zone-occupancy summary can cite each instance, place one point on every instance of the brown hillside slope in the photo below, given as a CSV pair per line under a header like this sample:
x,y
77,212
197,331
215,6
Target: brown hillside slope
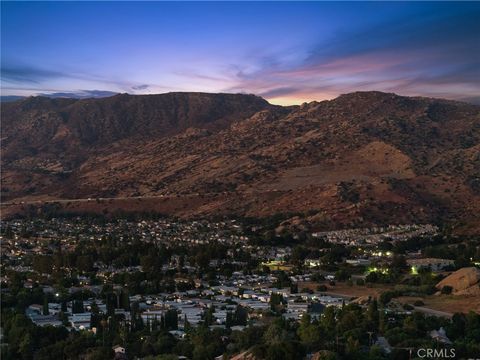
x,y
363,158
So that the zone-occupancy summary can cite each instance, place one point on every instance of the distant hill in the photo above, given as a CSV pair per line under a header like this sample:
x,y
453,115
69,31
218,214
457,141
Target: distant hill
x,y
363,158
84,94
66,95
10,98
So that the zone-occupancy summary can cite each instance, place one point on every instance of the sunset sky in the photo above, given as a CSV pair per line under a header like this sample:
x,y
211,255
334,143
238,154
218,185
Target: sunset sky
x,y
286,52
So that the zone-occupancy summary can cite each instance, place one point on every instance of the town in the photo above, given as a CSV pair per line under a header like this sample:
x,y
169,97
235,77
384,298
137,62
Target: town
x,y
158,288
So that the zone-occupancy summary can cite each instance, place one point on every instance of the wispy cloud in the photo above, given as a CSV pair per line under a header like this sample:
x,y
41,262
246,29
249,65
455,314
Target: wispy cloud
x,y
426,55
28,74
140,87
38,80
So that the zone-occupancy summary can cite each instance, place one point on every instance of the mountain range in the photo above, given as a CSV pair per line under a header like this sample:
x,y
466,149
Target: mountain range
x,y
82,94
362,159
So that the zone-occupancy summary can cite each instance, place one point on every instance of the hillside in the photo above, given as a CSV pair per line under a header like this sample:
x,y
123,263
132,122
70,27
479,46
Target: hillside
x,y
363,158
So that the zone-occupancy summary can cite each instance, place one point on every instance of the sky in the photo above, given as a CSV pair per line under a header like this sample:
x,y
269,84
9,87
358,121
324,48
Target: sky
x,y
286,52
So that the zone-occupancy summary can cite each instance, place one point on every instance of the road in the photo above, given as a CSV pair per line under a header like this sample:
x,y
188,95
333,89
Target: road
x,y
432,312
64,201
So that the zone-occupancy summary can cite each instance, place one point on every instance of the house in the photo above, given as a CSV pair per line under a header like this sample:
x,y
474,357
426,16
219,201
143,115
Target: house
x,y
45,320
382,342
293,306
120,353
433,264
296,316
34,309
80,321
179,334
441,336
54,308
118,349
313,262
316,310
150,317
358,262
237,328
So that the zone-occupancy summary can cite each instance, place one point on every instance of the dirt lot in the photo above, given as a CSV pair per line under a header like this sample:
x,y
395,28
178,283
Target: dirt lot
x,y
446,303
341,288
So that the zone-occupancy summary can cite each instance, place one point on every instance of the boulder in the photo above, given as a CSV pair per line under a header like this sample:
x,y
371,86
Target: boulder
x,y
461,280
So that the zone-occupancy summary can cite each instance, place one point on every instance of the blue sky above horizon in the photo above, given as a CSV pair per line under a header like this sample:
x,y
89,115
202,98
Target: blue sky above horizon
x,y
287,52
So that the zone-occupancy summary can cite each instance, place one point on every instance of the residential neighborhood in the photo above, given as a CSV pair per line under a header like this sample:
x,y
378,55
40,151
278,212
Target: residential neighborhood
x,y
122,278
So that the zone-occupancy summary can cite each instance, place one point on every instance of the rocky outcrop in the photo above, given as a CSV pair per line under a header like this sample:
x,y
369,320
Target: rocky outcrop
x,y
463,282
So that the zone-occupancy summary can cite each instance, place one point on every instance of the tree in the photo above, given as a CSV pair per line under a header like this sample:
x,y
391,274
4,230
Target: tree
x,y
398,264
63,317
373,315
328,320
181,262
240,316
342,275
327,355
375,353
229,320
125,300
202,259
275,301
84,263
349,320
462,261
382,322
209,318
26,347
150,263
276,333
352,348
386,296
447,289
472,326
45,305
186,324
99,353
171,319
77,307
457,326
43,264
288,350
110,302
95,317
410,326
310,334
299,253
294,288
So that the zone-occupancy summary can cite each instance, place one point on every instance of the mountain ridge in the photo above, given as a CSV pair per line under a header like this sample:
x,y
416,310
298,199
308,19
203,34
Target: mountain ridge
x,y
362,158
